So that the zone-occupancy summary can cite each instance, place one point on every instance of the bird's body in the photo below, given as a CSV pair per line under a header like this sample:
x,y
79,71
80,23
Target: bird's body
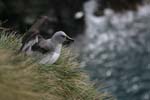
x,y
47,51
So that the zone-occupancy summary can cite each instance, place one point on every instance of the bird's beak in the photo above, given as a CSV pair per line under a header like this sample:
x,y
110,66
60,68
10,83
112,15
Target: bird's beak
x,y
69,39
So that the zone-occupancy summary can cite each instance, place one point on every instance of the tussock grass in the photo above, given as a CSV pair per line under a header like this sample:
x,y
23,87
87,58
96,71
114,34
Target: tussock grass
x,y
22,78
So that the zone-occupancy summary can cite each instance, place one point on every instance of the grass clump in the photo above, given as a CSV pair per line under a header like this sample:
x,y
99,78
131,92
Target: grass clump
x,y
21,78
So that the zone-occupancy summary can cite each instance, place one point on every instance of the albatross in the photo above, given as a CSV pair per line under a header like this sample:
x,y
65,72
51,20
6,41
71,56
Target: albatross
x,y
46,50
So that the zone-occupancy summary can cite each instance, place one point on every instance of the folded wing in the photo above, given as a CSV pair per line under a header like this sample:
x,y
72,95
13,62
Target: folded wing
x,y
30,39
34,42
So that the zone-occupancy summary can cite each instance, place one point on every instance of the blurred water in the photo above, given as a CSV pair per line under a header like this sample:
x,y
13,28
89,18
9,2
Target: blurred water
x,y
117,51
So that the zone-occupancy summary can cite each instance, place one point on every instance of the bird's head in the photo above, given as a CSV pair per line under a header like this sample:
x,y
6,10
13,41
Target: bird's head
x,y
61,37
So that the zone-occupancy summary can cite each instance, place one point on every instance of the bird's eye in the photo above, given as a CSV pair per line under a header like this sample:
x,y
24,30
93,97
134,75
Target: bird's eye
x,y
63,36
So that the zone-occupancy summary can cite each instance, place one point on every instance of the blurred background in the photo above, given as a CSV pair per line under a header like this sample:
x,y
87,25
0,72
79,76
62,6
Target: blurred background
x,y
112,37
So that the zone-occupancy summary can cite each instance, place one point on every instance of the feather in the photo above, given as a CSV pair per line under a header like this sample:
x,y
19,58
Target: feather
x,y
29,40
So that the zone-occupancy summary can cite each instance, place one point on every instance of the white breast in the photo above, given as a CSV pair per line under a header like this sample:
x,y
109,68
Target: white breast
x,y
50,58
55,57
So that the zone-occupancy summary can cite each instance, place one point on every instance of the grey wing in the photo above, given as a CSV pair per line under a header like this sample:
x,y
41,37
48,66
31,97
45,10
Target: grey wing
x,y
43,46
28,41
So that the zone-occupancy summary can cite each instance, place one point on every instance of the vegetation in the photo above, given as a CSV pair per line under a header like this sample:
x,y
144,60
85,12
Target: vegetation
x,y
21,78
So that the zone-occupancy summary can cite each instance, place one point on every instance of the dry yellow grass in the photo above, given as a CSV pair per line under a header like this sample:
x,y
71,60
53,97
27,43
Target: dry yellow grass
x,y
22,79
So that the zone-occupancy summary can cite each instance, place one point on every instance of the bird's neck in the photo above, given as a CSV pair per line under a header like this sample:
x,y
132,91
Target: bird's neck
x,y
56,45
58,48
53,40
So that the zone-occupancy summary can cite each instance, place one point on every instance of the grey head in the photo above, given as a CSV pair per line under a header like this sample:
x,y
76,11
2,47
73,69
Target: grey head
x,y
61,37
